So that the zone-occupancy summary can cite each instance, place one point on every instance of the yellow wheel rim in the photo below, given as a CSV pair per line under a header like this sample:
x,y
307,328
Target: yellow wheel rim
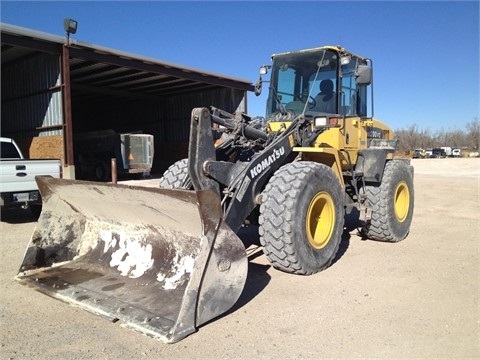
x,y
402,201
320,220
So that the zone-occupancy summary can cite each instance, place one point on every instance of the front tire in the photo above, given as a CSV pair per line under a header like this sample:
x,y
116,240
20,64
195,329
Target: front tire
x,y
392,203
301,217
176,176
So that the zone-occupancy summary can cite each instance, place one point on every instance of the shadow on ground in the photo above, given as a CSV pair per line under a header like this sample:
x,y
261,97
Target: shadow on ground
x,y
17,216
258,278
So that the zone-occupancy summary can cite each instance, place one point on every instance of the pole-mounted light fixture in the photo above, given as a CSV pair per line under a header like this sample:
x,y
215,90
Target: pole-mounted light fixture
x,y
70,27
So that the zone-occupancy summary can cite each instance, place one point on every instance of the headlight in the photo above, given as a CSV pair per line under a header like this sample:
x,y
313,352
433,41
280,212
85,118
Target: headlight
x,y
320,121
325,121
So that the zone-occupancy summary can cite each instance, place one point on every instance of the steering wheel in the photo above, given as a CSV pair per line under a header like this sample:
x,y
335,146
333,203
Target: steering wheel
x,y
311,101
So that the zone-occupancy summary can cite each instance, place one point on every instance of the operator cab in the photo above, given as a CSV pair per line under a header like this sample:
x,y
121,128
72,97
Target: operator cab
x,y
326,80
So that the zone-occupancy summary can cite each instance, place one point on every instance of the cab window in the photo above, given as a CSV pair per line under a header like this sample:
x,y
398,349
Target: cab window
x,y
353,97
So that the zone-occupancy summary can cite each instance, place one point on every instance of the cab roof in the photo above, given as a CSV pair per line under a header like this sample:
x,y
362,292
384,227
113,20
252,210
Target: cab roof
x,y
337,48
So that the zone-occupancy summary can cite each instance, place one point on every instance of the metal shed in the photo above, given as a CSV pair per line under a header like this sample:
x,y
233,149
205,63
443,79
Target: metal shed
x,y
46,101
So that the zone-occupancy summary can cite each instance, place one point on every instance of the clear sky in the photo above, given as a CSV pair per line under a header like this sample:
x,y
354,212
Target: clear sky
x,y
425,53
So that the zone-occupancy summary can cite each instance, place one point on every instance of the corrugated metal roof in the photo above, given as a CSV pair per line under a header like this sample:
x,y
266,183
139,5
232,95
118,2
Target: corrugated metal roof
x,y
105,73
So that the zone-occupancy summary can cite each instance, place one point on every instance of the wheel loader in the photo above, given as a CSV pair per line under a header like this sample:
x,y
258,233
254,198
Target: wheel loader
x,y
165,261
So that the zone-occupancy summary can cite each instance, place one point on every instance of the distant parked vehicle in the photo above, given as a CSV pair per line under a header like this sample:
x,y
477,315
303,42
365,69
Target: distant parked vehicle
x,y
419,154
448,150
428,153
457,152
438,153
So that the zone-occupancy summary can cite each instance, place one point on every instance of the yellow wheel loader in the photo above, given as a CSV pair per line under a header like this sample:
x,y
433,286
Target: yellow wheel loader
x,y
165,261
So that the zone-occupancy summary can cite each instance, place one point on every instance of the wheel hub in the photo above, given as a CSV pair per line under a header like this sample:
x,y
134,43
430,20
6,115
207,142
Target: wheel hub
x,y
320,220
402,201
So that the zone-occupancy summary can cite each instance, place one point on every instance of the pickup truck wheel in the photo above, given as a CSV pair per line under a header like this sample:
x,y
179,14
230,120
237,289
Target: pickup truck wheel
x,y
176,176
301,217
392,203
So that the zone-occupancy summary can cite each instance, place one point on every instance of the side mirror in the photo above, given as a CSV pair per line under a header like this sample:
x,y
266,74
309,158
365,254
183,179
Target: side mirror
x,y
264,70
258,86
363,75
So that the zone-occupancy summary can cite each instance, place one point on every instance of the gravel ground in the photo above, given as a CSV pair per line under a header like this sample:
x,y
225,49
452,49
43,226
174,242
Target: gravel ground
x,y
415,299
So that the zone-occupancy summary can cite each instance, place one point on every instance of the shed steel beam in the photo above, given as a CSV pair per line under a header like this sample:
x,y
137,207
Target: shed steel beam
x,y
158,69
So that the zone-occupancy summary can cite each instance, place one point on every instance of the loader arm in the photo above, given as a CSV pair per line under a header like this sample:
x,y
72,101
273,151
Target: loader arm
x,y
243,181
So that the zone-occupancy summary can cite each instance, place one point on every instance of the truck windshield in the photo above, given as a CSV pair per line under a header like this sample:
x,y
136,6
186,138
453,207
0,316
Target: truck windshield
x,y
297,80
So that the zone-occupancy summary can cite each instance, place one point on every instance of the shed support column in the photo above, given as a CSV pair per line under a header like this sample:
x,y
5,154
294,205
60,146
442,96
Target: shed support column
x,y
69,164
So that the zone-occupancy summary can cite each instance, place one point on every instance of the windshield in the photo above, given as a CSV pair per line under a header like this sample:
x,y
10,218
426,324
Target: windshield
x,y
307,82
296,82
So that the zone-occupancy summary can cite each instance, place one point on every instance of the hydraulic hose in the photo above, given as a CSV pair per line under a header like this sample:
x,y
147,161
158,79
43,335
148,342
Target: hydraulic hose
x,y
249,131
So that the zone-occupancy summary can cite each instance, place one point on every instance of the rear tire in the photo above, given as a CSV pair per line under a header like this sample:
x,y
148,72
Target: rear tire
x,y
392,203
101,172
301,217
176,176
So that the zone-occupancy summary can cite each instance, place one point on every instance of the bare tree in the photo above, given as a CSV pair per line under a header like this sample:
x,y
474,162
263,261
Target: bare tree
x,y
412,138
456,139
473,129
407,138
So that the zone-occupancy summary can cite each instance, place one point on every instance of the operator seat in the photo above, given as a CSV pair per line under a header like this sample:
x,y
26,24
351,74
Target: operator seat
x,y
326,99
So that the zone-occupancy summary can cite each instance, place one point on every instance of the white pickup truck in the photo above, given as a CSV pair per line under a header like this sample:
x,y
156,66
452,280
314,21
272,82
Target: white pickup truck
x,y
17,177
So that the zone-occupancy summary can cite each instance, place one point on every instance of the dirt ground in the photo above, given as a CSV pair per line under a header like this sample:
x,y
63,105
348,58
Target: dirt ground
x,y
419,298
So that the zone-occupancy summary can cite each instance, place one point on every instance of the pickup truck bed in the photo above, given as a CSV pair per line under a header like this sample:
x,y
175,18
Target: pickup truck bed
x,y
18,187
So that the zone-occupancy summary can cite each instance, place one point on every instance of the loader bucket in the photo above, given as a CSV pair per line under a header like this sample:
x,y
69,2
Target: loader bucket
x,y
162,262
